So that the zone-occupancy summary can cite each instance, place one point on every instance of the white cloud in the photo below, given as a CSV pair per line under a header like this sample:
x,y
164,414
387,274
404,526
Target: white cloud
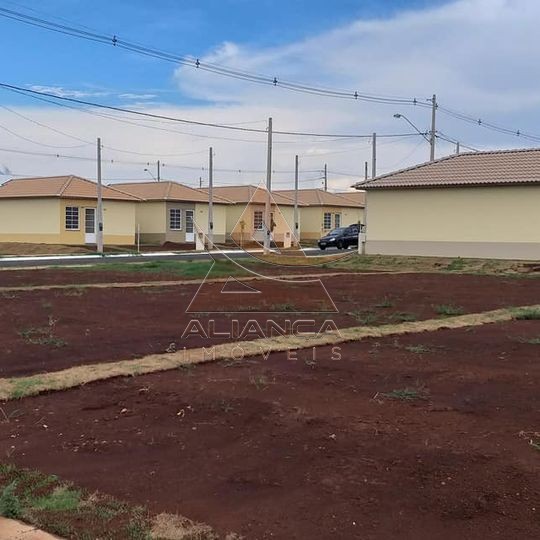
x,y
60,91
477,55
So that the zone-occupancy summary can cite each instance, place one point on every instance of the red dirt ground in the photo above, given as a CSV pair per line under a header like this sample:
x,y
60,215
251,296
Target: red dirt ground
x,y
82,276
312,449
102,325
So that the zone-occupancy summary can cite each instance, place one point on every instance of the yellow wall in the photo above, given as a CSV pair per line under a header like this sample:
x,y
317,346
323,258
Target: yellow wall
x,y
480,221
42,220
29,220
151,217
219,218
312,219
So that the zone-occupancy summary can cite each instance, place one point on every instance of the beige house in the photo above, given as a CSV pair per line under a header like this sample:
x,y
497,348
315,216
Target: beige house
x,y
322,211
483,204
173,212
245,215
63,210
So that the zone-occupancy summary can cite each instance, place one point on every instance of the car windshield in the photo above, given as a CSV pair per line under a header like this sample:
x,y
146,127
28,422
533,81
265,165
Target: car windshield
x,y
337,232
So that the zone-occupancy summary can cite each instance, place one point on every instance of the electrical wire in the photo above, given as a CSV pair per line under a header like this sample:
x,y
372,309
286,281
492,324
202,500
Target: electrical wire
x,y
196,63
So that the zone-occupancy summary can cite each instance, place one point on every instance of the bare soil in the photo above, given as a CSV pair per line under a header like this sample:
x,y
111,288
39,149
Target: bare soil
x,y
421,437
43,331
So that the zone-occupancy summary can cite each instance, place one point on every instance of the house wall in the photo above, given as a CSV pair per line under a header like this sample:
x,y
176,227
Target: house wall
x,y
485,222
30,220
283,219
42,220
219,218
151,220
118,222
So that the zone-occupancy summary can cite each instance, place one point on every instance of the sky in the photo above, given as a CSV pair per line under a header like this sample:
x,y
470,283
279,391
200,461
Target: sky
x,y
478,56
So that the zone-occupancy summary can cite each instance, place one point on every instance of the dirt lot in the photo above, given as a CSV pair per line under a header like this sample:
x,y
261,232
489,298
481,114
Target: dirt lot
x,y
49,330
421,437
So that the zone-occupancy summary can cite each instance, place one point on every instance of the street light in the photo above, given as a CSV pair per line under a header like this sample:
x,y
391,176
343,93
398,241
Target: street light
x,y
398,115
150,173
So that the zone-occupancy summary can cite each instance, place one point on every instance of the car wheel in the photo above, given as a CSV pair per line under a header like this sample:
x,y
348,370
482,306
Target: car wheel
x,y
322,248
339,245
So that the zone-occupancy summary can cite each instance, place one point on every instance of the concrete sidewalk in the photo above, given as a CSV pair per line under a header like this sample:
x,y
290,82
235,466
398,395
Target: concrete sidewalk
x,y
15,530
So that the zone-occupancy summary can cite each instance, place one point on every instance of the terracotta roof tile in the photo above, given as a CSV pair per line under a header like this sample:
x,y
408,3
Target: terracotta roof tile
x,y
168,190
319,197
65,187
500,167
247,193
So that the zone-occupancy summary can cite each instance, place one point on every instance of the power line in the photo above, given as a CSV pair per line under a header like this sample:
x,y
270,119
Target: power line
x,y
196,63
30,92
441,135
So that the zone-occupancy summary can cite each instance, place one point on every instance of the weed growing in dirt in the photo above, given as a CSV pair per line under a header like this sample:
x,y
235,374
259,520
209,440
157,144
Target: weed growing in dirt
x,y
75,291
527,314
283,307
448,310
405,394
456,265
385,302
418,349
402,316
43,335
364,316
61,499
260,382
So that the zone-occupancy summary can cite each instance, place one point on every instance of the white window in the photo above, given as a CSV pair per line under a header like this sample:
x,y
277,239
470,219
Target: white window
x,y
337,221
258,220
175,219
327,221
72,218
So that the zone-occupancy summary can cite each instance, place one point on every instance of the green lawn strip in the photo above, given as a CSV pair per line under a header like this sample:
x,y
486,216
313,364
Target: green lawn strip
x,y
61,508
19,387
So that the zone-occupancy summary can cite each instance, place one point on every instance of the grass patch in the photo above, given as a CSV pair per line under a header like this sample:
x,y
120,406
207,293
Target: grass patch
x,y
405,394
402,316
527,314
448,310
25,386
43,335
418,349
385,302
530,341
456,265
364,316
59,508
189,269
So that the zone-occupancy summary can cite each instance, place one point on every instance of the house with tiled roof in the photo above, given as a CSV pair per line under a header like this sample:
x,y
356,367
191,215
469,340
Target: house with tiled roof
x,y
63,210
322,211
481,204
174,212
246,214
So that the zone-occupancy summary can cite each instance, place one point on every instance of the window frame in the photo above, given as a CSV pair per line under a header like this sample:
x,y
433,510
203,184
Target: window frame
x,y
69,221
337,221
256,213
177,219
327,220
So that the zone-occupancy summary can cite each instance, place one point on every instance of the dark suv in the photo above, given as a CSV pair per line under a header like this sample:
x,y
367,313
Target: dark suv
x,y
341,238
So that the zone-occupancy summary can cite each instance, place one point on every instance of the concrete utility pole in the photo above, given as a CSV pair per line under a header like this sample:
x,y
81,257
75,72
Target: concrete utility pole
x,y
296,227
158,170
99,232
433,131
374,156
268,205
325,177
457,148
210,198
200,182
366,170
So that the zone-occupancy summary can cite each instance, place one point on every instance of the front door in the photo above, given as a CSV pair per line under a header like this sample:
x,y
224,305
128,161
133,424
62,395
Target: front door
x,y
190,232
89,225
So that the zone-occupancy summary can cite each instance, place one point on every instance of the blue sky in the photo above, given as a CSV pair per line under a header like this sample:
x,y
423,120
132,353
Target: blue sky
x,y
191,27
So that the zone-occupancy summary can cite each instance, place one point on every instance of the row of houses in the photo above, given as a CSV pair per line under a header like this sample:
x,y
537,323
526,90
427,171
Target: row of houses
x,y
63,210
